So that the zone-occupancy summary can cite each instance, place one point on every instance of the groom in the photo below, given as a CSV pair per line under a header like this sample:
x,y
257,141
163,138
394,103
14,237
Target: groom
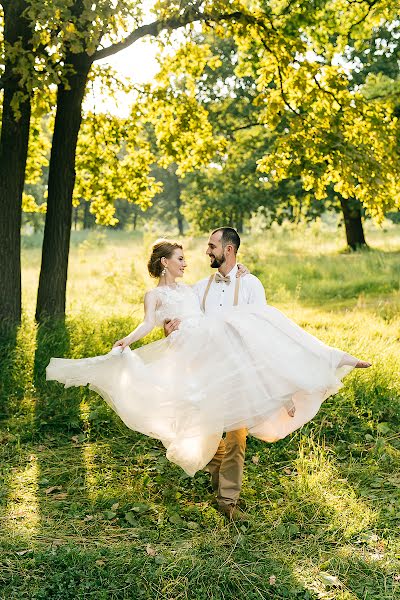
x,y
217,293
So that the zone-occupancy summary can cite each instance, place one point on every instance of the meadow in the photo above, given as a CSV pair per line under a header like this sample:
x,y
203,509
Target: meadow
x,y
92,510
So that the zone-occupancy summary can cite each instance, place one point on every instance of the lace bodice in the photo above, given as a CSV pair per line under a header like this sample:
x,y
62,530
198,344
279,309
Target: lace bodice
x,y
178,302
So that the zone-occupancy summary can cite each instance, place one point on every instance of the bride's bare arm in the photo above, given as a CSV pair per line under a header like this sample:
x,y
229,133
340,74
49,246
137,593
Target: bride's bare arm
x,y
149,321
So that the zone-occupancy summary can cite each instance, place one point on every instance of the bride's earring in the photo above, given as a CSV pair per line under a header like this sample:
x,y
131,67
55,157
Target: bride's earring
x,y
163,272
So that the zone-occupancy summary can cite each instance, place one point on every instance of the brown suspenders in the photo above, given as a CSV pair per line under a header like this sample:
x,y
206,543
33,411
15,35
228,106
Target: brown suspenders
x,y
235,298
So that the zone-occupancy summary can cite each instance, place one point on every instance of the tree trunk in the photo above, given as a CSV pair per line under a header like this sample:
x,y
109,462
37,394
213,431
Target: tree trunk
x,y
179,216
13,153
176,190
239,223
76,217
351,209
57,231
86,215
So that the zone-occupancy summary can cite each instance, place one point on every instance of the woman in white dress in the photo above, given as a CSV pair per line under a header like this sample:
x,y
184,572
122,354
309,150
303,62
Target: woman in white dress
x,y
251,367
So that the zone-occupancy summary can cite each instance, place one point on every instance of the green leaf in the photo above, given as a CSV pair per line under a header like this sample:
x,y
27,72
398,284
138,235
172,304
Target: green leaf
x,y
130,517
176,519
140,507
383,428
109,514
293,529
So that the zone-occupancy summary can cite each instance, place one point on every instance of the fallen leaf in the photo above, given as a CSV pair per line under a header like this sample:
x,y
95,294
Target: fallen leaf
x,y
330,580
396,577
100,563
53,488
272,580
88,518
22,552
377,556
77,439
115,506
367,537
287,470
60,496
255,459
41,448
150,550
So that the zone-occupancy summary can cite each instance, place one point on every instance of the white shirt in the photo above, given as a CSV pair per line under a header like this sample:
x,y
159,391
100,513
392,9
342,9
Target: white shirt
x,y
220,295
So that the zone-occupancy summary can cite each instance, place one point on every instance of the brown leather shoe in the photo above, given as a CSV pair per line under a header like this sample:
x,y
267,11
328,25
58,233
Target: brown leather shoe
x,y
233,512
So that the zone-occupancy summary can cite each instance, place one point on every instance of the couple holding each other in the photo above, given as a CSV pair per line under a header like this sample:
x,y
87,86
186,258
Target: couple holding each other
x,y
230,363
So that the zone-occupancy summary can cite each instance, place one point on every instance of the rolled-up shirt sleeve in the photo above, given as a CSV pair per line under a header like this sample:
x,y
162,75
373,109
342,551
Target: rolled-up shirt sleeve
x,y
256,292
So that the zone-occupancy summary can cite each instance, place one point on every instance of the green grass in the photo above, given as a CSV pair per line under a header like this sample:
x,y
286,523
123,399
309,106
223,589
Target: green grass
x,y
90,509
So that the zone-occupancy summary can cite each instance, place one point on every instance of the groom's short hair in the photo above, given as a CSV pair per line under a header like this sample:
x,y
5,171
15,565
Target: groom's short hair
x,y
229,236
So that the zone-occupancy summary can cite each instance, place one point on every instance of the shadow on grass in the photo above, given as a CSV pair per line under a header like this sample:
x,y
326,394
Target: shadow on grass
x,y
180,546
8,339
57,408
59,427
15,365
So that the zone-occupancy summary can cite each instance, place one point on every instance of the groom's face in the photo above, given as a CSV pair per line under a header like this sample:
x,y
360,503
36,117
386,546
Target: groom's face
x,y
215,250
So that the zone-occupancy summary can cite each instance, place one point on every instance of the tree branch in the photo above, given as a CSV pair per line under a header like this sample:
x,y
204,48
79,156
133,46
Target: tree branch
x,y
329,92
370,5
156,27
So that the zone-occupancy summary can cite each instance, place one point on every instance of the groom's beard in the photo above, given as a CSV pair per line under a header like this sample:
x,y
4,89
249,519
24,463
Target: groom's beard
x,y
217,261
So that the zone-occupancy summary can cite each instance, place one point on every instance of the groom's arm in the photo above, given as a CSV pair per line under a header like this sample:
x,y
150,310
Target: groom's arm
x,y
256,293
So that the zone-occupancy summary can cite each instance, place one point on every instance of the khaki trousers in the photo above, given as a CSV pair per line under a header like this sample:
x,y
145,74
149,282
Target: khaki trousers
x,y
226,467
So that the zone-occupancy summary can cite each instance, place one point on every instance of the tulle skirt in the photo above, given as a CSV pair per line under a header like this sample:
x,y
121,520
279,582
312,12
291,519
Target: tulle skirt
x,y
246,368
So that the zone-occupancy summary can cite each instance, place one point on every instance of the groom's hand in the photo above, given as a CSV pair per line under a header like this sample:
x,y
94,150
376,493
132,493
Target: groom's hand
x,y
171,325
242,270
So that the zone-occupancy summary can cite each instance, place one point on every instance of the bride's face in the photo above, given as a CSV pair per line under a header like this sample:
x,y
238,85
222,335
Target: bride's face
x,y
176,264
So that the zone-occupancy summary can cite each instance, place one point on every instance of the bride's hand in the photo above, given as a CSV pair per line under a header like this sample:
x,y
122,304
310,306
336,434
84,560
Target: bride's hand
x,y
242,270
122,343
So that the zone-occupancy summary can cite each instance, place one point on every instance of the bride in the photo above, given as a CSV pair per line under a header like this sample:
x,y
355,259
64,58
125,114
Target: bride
x,y
251,367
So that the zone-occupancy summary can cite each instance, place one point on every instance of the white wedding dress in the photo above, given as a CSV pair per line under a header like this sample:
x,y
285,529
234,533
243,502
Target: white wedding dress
x,y
245,367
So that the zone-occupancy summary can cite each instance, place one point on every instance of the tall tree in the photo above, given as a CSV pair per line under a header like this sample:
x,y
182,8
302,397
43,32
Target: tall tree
x,y
320,129
325,132
13,152
83,35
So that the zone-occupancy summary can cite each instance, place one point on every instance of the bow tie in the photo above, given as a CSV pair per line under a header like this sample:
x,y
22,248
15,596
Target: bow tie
x,y
219,278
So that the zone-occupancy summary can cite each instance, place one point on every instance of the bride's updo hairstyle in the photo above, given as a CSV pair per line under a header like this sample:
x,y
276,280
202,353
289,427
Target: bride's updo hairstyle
x,y
161,249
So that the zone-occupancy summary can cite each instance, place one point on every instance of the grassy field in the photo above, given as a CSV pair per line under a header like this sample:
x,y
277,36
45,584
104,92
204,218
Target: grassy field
x,y
90,509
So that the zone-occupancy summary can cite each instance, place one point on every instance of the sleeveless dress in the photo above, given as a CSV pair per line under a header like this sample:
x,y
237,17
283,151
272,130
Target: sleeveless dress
x,y
246,367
